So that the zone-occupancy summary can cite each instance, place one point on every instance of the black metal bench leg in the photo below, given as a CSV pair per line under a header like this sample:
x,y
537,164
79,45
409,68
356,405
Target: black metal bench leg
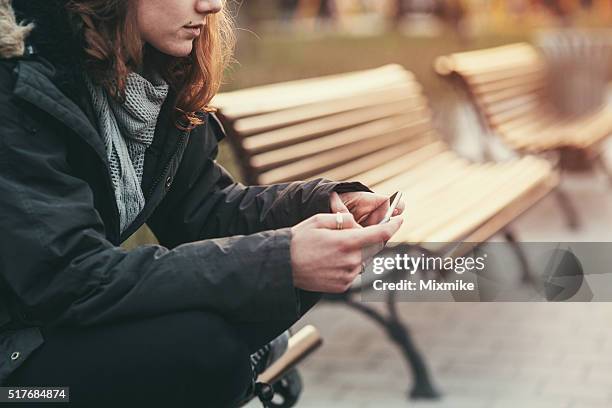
x,y
571,215
399,333
527,277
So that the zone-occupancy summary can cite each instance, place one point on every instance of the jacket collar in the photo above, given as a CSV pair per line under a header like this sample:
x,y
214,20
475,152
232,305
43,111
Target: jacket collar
x,y
34,86
44,28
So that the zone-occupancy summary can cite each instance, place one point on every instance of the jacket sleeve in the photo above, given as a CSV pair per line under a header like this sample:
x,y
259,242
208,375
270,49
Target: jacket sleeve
x,y
58,264
209,203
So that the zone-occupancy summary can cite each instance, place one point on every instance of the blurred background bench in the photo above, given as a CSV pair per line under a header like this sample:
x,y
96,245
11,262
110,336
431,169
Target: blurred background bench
x,y
512,91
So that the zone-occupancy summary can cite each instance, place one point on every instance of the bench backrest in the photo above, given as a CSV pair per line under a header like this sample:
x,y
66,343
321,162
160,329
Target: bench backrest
x,y
581,63
508,84
336,126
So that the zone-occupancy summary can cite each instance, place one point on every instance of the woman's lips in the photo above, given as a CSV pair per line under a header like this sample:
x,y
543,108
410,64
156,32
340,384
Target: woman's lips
x,y
194,30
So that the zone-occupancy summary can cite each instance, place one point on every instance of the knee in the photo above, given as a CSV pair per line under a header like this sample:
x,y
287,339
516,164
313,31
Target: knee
x,y
220,362
231,375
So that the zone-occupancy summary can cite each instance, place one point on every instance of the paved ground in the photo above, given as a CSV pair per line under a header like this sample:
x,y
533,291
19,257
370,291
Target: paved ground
x,y
490,355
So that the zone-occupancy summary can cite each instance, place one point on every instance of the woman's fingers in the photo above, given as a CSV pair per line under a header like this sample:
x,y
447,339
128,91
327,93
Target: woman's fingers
x,y
371,250
371,208
327,259
378,214
401,206
374,234
345,278
337,221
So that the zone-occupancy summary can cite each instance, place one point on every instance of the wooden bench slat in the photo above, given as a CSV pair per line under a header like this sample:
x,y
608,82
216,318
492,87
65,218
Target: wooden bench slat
x,y
540,127
519,102
530,88
494,224
305,131
499,67
433,165
400,166
371,141
291,94
487,60
485,78
265,122
493,203
469,194
535,120
351,137
507,115
441,178
522,79
484,55
425,207
386,163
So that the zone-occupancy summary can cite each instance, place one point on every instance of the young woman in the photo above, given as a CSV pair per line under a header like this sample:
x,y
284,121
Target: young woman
x,y
105,126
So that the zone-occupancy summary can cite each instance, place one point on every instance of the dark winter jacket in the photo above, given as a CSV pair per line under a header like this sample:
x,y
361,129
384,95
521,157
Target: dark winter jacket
x,y
223,247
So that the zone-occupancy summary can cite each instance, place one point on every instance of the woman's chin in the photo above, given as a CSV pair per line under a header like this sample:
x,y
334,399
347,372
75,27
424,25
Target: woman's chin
x,y
178,50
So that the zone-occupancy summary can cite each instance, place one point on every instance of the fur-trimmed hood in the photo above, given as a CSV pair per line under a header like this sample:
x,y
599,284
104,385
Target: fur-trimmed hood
x,y
43,28
12,34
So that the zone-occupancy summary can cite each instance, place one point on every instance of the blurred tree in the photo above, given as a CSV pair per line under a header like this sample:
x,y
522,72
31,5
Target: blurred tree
x,y
453,12
401,9
250,12
561,9
327,9
287,9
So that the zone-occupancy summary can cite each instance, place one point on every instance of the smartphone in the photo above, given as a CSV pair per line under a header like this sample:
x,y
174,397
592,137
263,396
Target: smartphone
x,y
395,200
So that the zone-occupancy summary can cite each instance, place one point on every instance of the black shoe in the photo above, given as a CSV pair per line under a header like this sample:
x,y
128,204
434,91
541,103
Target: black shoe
x,y
268,354
287,389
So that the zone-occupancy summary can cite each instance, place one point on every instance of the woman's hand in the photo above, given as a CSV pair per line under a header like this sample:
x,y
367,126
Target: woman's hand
x,y
325,259
366,208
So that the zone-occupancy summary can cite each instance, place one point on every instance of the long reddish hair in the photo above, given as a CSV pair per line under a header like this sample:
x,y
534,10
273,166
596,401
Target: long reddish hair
x,y
113,49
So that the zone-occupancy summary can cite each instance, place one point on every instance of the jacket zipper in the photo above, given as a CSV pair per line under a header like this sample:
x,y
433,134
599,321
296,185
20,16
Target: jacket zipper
x,y
178,147
130,230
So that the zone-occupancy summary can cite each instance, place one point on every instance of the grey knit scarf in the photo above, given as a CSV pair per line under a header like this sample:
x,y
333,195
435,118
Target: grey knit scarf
x,y
127,130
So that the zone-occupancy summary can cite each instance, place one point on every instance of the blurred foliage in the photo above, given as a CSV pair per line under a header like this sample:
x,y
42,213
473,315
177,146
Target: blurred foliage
x,y
254,10
275,58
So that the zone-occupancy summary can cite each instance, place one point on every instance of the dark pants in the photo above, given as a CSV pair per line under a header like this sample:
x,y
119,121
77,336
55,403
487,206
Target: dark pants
x,y
183,359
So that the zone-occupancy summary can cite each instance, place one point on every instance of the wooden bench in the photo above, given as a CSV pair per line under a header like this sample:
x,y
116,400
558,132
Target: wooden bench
x,y
375,126
511,90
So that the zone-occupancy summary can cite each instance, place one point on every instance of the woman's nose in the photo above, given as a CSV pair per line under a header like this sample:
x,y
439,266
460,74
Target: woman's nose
x,y
209,6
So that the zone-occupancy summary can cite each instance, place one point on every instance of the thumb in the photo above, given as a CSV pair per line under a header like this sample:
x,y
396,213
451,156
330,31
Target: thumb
x,y
336,204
